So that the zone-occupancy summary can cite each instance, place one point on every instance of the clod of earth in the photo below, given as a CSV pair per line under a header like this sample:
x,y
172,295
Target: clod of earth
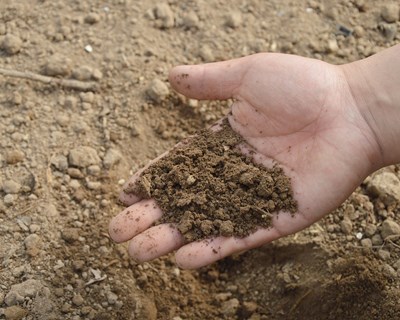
x,y
207,188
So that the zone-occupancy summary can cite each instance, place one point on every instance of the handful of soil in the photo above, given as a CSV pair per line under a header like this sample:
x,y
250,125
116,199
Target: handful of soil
x,y
208,188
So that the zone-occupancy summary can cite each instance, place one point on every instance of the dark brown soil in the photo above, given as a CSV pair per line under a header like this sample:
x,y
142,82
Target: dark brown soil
x,y
209,188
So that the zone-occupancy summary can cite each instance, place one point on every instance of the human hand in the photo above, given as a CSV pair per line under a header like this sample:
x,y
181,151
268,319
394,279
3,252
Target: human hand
x,y
296,111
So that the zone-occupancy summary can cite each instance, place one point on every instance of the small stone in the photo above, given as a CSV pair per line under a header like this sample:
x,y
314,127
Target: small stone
x,y
377,240
164,14
157,90
93,185
70,102
385,184
15,313
75,173
70,235
112,157
111,298
332,46
78,265
82,73
92,18
57,65
389,228
93,170
11,187
396,265
9,199
14,156
82,157
20,291
384,255
389,271
33,245
248,308
370,229
206,54
87,97
233,20
66,307
50,210
190,20
74,184
366,243
390,12
11,44
77,300
346,226
97,75
230,307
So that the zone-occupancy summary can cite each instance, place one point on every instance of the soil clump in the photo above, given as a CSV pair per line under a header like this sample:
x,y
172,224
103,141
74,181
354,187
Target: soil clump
x,y
207,187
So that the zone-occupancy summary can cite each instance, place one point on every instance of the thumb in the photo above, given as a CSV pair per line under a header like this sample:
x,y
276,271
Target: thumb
x,y
211,81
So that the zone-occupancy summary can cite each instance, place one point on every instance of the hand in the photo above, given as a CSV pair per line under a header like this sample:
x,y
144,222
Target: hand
x,y
297,111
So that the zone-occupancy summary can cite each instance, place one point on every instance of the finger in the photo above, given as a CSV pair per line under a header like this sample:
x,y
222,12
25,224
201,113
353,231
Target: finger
x,y
155,242
127,195
134,220
219,80
201,253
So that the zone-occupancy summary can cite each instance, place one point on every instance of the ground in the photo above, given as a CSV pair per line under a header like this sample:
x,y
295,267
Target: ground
x,y
64,154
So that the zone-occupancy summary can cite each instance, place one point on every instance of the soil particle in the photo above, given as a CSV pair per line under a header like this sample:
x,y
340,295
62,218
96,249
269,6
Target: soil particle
x,y
33,244
157,90
385,185
112,157
11,187
70,235
14,156
57,65
234,20
390,12
15,313
20,291
389,228
83,157
164,15
208,188
11,44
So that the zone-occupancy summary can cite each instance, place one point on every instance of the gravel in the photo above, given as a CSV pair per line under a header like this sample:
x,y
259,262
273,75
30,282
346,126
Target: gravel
x,y
390,12
157,90
57,65
11,44
82,157
389,228
20,291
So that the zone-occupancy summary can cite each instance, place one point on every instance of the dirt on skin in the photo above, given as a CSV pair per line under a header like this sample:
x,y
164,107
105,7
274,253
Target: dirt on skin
x,y
56,259
207,187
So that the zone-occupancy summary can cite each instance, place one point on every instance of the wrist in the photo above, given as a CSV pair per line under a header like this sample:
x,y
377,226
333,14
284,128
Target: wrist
x,y
374,84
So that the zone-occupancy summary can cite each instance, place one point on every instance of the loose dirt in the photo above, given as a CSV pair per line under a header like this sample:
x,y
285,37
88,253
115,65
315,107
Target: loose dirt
x,y
56,259
207,187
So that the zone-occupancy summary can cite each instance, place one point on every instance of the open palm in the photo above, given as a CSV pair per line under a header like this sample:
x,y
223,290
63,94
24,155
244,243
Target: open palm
x,y
298,112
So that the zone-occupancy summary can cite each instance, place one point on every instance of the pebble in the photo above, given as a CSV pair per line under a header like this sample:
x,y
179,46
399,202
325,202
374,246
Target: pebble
x,y
233,19
50,210
206,54
70,235
87,97
366,243
74,184
164,14
370,229
385,183
248,308
92,18
93,170
83,157
14,156
346,226
384,255
11,44
75,173
20,291
157,90
396,265
33,245
390,12
15,313
82,73
389,271
11,187
389,228
93,185
332,46
77,300
70,102
112,157
230,307
190,20
111,297
9,199
57,65
376,240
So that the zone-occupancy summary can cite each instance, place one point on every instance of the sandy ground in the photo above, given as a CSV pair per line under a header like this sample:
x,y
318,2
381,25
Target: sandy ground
x,y
66,148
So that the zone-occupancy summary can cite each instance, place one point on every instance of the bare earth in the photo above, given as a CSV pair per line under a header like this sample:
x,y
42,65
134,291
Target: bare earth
x,y
65,150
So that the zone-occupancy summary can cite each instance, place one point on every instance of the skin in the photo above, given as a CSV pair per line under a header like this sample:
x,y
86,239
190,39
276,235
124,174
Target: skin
x,y
328,126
